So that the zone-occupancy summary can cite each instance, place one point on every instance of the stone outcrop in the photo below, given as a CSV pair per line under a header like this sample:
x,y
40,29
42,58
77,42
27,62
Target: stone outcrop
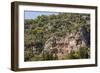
x,y
61,46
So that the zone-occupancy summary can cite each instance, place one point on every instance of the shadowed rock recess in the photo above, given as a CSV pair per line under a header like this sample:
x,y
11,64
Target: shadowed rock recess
x,y
59,36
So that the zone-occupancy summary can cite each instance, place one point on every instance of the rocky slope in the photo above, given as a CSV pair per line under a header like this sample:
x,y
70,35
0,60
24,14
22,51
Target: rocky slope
x,y
57,36
62,46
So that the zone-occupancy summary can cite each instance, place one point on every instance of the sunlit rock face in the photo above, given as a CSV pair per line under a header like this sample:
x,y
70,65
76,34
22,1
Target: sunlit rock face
x,y
62,46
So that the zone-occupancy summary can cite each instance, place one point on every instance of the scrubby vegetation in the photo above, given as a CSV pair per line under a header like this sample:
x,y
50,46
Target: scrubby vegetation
x,y
82,53
38,31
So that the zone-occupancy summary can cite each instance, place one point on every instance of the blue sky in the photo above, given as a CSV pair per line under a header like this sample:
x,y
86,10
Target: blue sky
x,y
34,14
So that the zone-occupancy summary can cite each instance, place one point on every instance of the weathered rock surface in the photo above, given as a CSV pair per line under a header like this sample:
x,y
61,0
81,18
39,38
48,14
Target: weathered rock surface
x,y
62,46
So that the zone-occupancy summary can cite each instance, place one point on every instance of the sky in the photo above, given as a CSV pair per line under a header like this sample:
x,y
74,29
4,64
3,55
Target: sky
x,y
34,14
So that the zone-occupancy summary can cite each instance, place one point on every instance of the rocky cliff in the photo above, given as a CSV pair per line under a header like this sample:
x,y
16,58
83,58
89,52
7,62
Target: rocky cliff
x,y
62,46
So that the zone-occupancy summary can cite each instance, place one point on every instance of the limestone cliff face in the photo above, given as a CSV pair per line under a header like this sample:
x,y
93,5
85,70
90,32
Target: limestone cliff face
x,y
61,46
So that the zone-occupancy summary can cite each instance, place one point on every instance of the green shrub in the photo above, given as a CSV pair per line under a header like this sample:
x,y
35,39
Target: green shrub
x,y
28,55
49,56
82,53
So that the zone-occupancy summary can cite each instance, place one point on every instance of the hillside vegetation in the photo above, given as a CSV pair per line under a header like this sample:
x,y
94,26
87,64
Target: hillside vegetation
x,y
57,37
